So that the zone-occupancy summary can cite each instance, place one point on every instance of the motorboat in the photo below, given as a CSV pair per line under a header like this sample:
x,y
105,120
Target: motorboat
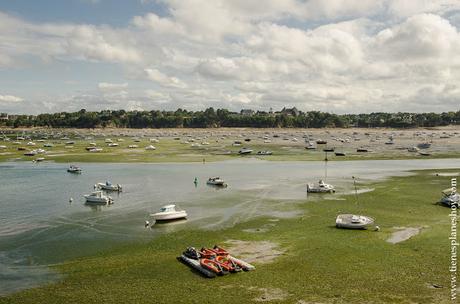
x,y
450,197
321,142
108,186
98,197
322,187
150,147
413,149
340,154
169,213
362,150
245,151
31,153
216,181
328,149
74,169
353,221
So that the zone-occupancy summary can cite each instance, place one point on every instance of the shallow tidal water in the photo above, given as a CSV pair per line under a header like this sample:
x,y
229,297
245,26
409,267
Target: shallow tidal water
x,y
39,227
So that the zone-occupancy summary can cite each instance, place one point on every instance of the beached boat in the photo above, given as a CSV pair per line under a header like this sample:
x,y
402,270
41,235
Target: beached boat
x,y
98,197
424,145
191,258
361,150
321,142
450,197
340,154
216,181
424,153
108,186
321,187
413,149
245,151
150,147
264,153
31,153
352,221
169,213
74,169
328,150
310,146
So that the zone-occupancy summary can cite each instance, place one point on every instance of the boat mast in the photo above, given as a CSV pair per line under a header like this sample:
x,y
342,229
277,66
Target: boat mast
x,y
356,190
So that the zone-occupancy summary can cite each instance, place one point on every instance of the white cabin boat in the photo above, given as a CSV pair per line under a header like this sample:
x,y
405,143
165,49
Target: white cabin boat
x,y
108,186
74,169
169,213
98,197
216,181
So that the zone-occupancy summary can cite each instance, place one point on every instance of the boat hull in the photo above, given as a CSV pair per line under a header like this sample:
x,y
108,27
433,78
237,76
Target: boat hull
x,y
195,264
345,221
169,216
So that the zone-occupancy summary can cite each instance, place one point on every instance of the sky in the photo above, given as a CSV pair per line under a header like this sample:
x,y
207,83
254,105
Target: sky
x,y
337,56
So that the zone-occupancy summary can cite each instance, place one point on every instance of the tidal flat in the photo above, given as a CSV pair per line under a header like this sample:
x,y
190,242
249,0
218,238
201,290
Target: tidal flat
x,y
107,256
198,145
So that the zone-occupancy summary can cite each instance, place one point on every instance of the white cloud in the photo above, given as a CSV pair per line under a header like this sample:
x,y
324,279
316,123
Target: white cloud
x,y
107,86
164,80
10,98
337,55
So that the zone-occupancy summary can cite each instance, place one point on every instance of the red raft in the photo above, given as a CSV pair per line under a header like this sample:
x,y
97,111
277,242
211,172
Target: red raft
x,y
212,262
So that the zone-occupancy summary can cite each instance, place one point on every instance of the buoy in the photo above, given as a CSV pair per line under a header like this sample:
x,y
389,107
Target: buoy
x,y
70,200
377,228
147,223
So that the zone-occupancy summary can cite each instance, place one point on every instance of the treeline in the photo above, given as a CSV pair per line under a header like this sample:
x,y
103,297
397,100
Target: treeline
x,y
211,118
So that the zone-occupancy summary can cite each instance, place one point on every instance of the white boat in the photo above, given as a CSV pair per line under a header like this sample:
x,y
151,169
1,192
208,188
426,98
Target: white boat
x,y
450,197
108,186
264,152
98,197
133,146
169,213
74,169
216,181
245,151
150,148
48,145
112,145
322,187
413,149
311,146
353,221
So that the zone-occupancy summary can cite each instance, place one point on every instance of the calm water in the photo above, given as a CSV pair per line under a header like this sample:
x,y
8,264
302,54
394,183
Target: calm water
x,y
39,227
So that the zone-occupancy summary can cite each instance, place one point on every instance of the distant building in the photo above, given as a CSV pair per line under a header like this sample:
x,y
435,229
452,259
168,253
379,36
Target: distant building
x,y
3,116
247,112
291,112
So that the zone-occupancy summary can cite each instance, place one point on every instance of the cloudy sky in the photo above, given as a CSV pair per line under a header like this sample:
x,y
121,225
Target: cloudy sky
x,y
340,56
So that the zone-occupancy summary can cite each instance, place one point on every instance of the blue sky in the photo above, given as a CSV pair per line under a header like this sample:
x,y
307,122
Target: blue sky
x,y
336,56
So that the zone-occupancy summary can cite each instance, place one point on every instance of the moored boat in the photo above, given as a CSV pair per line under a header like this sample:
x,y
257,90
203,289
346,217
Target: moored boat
x,y
108,186
245,151
450,197
352,221
74,169
98,197
321,187
169,213
216,181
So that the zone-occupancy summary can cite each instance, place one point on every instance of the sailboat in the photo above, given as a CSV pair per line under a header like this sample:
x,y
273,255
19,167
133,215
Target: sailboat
x,y
321,187
353,221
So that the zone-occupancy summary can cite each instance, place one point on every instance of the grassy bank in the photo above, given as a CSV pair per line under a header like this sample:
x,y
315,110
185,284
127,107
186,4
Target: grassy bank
x,y
319,263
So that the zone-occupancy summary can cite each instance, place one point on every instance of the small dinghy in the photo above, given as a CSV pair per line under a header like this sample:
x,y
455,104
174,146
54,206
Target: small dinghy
x,y
98,197
424,145
216,181
108,186
450,197
169,213
352,221
74,169
321,187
